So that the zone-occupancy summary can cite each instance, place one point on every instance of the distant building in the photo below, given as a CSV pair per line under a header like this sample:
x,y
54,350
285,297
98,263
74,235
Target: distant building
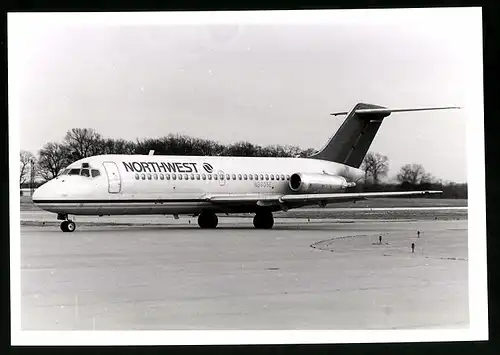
x,y
26,191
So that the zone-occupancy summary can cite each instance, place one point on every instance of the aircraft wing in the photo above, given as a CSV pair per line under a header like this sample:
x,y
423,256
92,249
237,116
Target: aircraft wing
x,y
350,196
266,200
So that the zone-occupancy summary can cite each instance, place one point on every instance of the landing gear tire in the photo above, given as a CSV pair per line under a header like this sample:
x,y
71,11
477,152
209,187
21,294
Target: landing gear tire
x,y
263,220
68,226
208,220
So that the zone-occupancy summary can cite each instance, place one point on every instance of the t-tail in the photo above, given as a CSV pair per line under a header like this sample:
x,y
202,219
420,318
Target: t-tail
x,y
351,142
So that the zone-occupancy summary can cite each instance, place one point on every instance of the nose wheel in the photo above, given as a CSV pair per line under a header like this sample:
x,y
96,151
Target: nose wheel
x,y
68,226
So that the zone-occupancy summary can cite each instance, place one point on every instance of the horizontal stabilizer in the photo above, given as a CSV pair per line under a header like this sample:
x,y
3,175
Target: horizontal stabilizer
x,y
388,111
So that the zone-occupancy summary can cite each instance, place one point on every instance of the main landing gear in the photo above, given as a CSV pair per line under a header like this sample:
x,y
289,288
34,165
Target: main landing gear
x,y
67,225
263,220
208,220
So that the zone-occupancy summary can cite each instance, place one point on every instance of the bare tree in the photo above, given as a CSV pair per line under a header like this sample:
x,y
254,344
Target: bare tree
x,y
83,142
375,166
115,146
25,159
53,157
240,149
307,152
413,174
204,147
427,179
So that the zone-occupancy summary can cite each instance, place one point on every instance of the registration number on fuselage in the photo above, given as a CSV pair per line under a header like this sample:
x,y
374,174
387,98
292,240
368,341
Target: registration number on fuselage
x,y
263,184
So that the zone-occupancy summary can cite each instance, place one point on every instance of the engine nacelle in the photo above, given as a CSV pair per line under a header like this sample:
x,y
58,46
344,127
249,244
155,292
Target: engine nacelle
x,y
317,183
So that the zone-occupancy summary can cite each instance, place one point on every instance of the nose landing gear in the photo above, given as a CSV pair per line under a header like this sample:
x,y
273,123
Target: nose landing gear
x,y
67,225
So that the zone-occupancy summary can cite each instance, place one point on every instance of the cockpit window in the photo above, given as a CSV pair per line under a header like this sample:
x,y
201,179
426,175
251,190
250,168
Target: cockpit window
x,y
85,172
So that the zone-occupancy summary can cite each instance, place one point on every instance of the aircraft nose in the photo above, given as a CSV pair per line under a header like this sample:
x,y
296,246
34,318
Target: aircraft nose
x,y
42,193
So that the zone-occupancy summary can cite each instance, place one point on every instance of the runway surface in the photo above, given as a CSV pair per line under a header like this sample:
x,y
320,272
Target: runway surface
x,y
310,215
299,275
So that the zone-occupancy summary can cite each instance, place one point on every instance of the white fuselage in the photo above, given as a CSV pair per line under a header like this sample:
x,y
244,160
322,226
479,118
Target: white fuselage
x,y
154,184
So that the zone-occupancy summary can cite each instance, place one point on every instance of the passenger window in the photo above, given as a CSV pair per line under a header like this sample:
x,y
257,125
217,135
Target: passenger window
x,y
197,176
244,176
136,175
192,176
239,176
209,177
215,176
74,172
186,176
96,172
143,176
174,177
203,176
85,172
267,177
221,176
156,176
161,176
228,177
272,177
256,177
250,176
234,176
167,176
149,176
179,176
288,177
282,177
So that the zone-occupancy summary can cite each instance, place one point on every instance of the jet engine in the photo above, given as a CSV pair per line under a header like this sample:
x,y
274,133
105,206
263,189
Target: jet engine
x,y
317,183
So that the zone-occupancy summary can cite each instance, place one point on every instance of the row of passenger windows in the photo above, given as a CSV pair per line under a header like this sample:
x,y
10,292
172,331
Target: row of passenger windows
x,y
150,176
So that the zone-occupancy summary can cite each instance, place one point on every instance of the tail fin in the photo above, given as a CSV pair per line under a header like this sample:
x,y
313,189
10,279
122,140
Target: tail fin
x,y
353,139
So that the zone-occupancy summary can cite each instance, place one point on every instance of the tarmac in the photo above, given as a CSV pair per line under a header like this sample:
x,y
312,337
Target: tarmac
x,y
157,273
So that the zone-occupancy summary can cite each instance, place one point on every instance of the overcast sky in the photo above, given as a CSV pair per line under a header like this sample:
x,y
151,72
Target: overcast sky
x,y
263,79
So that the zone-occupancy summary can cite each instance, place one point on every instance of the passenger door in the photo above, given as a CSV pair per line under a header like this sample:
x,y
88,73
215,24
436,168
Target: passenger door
x,y
222,181
114,180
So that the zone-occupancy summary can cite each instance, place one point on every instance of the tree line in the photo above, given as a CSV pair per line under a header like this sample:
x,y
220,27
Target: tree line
x,y
80,143
411,177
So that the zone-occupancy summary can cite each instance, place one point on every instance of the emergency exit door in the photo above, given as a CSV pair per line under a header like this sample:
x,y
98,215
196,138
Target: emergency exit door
x,y
114,180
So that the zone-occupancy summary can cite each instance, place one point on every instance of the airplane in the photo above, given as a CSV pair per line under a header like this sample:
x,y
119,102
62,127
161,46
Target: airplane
x,y
204,186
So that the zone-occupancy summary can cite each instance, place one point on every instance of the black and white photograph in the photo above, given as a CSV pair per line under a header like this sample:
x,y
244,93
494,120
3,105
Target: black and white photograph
x,y
247,177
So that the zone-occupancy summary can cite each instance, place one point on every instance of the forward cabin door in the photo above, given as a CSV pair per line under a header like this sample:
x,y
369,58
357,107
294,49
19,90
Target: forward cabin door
x,y
222,181
114,180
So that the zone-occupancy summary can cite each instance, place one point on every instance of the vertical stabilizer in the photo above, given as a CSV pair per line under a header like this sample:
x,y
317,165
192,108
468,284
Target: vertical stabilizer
x,y
353,139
